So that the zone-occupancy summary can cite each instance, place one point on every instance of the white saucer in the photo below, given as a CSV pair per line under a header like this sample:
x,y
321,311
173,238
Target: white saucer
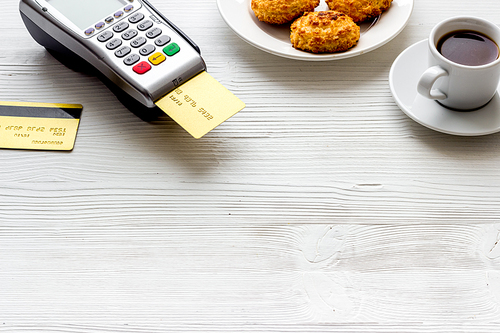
x,y
275,39
403,78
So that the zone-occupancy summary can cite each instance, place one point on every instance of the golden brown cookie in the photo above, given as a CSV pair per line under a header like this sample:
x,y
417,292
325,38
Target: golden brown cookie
x,y
359,10
324,32
281,11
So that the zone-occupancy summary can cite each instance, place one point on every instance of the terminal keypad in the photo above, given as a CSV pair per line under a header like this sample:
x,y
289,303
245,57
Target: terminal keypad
x,y
142,36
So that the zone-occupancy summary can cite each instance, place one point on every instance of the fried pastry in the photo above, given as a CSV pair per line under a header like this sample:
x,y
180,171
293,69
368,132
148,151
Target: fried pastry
x,y
324,32
281,11
359,10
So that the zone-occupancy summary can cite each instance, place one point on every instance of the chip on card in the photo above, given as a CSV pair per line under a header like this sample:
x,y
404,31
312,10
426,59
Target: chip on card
x,y
40,126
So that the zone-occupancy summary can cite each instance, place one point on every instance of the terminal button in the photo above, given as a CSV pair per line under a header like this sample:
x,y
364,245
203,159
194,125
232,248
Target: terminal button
x,y
142,67
147,50
153,33
171,49
157,58
136,18
131,59
89,31
122,26
130,34
145,25
113,44
162,40
122,51
138,42
105,36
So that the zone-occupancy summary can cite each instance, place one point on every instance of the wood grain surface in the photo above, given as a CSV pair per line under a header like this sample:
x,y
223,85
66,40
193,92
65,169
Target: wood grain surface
x,y
321,207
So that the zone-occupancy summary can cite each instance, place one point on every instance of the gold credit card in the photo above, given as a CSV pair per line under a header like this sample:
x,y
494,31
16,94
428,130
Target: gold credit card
x,y
43,126
200,104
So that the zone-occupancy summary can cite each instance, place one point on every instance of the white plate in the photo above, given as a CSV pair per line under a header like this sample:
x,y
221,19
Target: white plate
x,y
276,39
403,78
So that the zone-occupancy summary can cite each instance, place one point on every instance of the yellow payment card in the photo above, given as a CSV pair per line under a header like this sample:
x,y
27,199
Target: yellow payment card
x,y
200,104
42,126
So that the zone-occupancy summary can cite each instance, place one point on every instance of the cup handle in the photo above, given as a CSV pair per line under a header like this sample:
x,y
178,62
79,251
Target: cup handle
x,y
427,80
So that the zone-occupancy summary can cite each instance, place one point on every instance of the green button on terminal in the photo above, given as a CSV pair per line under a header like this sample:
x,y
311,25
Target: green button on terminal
x,y
171,49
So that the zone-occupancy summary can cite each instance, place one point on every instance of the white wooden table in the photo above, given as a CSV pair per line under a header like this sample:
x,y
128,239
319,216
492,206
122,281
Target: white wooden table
x,y
321,207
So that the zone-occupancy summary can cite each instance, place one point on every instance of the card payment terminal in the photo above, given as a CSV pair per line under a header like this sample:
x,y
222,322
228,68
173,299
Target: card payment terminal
x,y
128,41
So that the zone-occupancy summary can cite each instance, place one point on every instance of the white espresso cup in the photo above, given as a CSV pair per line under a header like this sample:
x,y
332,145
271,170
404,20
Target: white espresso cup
x,y
454,85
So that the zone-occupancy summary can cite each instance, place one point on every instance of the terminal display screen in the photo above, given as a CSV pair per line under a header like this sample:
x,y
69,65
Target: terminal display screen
x,y
87,13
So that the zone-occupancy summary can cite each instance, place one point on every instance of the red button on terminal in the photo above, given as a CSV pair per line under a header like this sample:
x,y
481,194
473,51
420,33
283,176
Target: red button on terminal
x,y
142,67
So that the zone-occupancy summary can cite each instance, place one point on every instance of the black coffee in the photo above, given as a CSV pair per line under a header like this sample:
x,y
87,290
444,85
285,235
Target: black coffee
x,y
468,47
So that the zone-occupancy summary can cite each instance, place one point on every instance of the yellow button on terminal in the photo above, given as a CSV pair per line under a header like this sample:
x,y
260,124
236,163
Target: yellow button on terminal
x,y
157,58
